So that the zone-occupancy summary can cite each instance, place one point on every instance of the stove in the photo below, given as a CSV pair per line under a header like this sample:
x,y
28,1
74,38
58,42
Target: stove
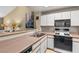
x,y
62,38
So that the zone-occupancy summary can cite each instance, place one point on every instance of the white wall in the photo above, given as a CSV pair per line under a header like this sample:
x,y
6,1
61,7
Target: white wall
x,y
4,10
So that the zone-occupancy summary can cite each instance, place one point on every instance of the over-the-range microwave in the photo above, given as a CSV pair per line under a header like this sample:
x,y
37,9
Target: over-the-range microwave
x,y
62,23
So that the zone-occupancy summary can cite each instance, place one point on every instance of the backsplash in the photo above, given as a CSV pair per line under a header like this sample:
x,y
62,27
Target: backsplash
x,y
73,29
47,28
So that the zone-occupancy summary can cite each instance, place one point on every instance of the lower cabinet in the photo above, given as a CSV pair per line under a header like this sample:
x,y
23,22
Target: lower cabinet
x,y
44,46
40,46
75,47
50,43
37,50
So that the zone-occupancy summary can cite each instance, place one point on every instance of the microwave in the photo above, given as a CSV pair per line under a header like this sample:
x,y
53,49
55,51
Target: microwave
x,y
62,23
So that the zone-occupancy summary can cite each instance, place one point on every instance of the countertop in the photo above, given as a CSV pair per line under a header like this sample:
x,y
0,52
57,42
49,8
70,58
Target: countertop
x,y
18,44
2,34
75,37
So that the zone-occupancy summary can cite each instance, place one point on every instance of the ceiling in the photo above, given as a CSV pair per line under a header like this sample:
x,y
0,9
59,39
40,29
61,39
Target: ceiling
x,y
4,10
46,8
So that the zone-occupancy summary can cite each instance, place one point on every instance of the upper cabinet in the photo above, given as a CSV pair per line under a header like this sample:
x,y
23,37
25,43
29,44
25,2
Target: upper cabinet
x,y
57,16
62,15
47,20
66,15
50,19
43,20
75,18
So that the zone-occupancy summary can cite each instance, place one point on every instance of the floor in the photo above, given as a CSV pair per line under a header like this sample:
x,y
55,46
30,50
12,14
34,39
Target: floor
x,y
50,51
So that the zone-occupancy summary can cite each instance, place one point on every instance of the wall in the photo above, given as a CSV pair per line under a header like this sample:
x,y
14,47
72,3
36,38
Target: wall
x,y
19,15
74,29
1,22
4,10
37,21
47,28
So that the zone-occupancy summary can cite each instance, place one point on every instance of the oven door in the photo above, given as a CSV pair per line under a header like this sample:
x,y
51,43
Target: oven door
x,y
63,42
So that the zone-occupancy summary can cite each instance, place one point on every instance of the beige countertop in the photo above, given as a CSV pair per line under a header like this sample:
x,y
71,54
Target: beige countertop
x,y
74,36
18,44
2,34
49,33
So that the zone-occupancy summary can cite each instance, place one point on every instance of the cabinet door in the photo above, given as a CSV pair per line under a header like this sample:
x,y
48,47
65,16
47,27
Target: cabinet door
x,y
44,44
57,16
37,50
43,20
62,15
75,47
42,47
50,43
65,15
75,18
50,19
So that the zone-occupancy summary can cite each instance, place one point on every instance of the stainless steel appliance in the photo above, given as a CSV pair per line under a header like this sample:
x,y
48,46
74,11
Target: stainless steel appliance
x,y
62,23
63,42
62,37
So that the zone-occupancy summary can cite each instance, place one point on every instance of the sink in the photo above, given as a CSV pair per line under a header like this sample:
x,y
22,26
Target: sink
x,y
37,34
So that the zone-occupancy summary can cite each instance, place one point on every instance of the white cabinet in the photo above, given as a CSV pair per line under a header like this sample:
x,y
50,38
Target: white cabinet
x,y
50,42
40,46
47,20
43,20
62,15
58,16
66,15
50,19
75,18
44,45
76,47
37,50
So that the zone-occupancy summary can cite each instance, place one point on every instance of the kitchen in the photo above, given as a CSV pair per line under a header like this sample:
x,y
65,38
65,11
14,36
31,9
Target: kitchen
x,y
52,29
